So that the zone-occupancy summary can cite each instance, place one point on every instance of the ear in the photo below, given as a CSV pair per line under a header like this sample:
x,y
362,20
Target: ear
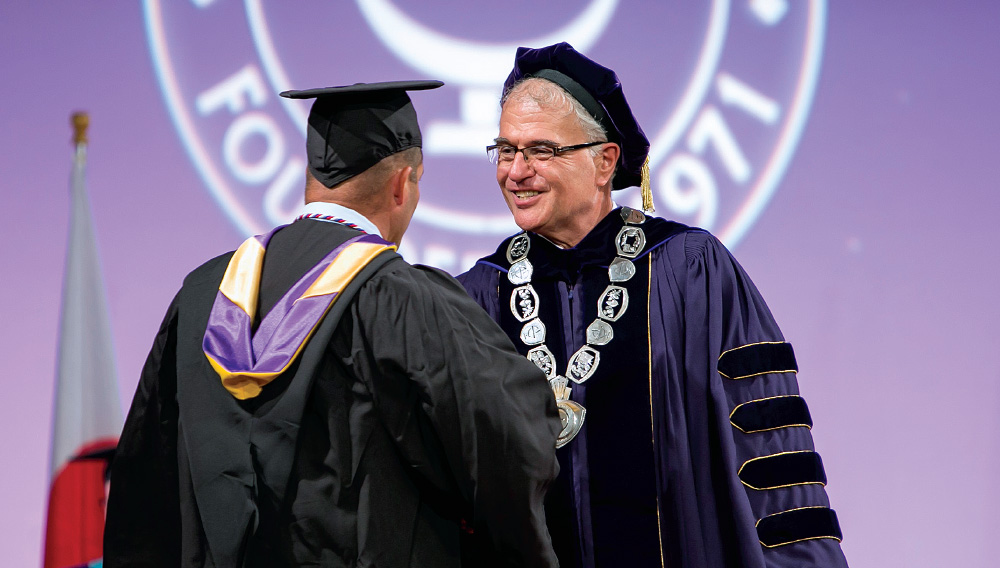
x,y
398,183
606,162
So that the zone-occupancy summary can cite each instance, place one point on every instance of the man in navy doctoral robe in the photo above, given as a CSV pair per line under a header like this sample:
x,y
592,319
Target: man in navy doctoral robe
x,y
685,442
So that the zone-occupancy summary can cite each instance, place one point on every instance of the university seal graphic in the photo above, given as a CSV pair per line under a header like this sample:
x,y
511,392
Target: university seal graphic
x,y
722,88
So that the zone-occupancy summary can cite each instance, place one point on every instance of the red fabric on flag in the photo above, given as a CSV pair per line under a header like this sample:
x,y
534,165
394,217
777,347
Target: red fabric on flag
x,y
77,501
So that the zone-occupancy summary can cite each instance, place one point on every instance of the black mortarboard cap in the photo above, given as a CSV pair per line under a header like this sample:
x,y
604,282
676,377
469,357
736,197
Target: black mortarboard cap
x,y
353,127
598,89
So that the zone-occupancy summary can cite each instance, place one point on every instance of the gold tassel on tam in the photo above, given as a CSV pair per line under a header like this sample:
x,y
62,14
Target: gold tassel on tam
x,y
647,193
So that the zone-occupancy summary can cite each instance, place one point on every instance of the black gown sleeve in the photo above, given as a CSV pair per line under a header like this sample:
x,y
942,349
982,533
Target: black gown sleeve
x,y
143,517
463,407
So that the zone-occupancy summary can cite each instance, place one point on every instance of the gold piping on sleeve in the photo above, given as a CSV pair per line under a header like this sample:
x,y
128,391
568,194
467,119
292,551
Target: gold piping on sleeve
x,y
750,345
777,371
754,374
777,486
649,364
799,539
806,426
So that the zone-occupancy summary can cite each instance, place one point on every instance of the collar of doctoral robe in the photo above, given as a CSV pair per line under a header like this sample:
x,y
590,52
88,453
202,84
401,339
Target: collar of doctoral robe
x,y
246,360
596,249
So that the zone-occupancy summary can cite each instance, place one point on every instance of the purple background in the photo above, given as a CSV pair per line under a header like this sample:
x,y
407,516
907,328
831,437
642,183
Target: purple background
x,y
877,254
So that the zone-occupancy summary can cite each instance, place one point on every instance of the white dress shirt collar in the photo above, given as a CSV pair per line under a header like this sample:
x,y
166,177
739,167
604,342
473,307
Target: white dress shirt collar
x,y
340,212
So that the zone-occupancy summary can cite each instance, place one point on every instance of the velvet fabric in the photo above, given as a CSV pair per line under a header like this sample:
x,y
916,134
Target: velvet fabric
x,y
657,435
757,359
771,414
798,525
783,470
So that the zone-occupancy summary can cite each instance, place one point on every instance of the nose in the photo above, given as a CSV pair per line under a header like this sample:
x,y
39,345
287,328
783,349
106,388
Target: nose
x,y
519,168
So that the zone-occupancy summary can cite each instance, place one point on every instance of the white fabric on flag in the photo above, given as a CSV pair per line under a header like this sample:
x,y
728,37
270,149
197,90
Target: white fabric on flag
x,y
87,407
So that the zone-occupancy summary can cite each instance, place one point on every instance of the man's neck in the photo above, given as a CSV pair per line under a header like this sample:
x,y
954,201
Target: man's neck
x,y
571,236
344,211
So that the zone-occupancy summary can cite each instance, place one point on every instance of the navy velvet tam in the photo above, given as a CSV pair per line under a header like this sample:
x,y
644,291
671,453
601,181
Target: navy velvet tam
x,y
353,127
598,89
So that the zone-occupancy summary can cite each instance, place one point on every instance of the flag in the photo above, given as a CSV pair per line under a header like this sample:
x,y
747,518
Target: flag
x,y
87,413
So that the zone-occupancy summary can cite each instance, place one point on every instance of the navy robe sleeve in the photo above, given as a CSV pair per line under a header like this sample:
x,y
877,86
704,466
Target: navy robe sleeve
x,y
482,283
446,380
734,434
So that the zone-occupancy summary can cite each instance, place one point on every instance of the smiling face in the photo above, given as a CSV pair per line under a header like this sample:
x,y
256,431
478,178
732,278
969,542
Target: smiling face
x,y
562,198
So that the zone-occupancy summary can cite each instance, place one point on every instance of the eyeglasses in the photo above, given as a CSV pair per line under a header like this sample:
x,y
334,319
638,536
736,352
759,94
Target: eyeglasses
x,y
503,153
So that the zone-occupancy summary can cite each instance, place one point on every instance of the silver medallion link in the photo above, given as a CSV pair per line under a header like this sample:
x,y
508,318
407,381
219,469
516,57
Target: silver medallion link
x,y
630,241
518,248
524,303
633,216
621,270
599,332
520,272
583,364
612,304
544,360
525,306
533,332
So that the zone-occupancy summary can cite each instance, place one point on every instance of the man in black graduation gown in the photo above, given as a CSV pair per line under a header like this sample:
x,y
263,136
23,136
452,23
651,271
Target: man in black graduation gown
x,y
313,400
685,441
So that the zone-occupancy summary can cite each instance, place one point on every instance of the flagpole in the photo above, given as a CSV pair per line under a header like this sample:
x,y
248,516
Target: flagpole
x,y
86,409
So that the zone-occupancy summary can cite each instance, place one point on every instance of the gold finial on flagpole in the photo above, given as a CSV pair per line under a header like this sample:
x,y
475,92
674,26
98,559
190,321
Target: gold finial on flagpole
x,y
80,121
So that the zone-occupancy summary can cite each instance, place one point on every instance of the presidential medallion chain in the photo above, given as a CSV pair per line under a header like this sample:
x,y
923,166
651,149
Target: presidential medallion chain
x,y
611,306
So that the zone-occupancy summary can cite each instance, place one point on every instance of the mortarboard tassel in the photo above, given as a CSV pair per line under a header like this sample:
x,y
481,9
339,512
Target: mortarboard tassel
x,y
647,193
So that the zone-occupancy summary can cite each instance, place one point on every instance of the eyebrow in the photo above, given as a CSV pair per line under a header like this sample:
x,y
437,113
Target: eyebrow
x,y
539,142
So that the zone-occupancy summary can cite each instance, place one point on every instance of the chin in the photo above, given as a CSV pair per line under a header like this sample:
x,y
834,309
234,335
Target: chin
x,y
527,222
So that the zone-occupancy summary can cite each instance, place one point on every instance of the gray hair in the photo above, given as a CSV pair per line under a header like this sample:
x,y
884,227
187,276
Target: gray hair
x,y
548,94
